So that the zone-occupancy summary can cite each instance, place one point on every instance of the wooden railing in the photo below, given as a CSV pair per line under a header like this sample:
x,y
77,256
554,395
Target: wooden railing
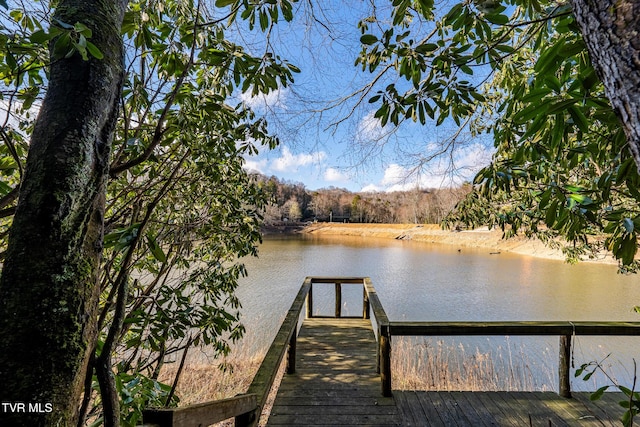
x,y
565,330
246,408
202,414
370,303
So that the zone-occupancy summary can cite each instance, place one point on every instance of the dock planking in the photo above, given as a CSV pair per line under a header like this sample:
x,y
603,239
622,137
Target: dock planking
x,y
340,375
336,383
506,408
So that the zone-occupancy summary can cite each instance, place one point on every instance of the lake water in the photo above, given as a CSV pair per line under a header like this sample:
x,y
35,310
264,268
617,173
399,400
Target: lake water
x,y
421,281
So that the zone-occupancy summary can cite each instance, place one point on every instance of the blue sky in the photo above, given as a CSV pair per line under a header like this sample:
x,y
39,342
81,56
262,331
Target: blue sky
x,y
327,138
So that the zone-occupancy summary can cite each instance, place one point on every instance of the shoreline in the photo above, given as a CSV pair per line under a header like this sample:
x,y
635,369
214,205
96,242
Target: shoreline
x,y
432,233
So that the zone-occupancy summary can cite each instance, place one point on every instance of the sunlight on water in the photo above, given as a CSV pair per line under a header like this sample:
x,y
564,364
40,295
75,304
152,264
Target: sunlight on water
x,y
418,281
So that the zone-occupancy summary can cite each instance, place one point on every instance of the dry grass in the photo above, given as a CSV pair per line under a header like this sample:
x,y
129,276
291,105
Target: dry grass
x,y
416,365
425,365
202,382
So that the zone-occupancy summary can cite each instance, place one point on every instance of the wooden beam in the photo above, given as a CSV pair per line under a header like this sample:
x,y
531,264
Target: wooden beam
x,y
291,354
310,301
264,378
513,328
330,279
376,305
201,414
365,303
338,287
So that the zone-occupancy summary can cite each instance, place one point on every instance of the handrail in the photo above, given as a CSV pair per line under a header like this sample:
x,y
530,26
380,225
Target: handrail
x,y
386,329
514,328
246,408
285,338
383,354
370,302
200,414
564,329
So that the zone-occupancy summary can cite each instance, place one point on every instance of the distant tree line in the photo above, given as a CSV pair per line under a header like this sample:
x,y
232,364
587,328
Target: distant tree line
x,y
292,202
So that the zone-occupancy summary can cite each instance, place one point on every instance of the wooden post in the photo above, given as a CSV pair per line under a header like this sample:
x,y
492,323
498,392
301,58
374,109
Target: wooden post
x,y
246,420
365,303
564,368
310,302
378,356
338,299
291,354
385,361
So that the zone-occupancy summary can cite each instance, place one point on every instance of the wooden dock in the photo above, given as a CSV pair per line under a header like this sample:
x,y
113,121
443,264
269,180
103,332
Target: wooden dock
x,y
336,383
339,373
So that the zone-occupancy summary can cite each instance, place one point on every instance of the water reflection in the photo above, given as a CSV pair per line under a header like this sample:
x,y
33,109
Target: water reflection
x,y
420,281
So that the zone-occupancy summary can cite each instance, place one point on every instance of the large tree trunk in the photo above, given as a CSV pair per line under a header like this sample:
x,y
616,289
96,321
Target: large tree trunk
x,y
611,30
48,288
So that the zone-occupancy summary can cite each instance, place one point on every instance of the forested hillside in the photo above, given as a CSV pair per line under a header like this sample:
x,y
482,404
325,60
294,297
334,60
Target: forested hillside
x,y
290,201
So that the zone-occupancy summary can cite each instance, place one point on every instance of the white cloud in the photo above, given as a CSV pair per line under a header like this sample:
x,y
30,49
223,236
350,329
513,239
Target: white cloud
x,y
290,162
394,174
438,174
335,175
255,166
370,128
274,99
371,188
474,157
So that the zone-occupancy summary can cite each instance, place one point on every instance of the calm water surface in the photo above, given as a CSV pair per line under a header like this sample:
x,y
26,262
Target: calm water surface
x,y
420,281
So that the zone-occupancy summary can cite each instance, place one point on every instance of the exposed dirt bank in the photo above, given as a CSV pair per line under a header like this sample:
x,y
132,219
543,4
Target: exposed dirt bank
x,y
480,238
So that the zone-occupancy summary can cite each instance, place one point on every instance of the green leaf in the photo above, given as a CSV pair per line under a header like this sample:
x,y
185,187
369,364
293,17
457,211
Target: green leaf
x,y
368,39
598,393
79,27
561,105
498,19
551,213
94,51
5,188
155,249
224,3
39,37
579,119
264,20
62,46
63,24
581,199
11,60
426,48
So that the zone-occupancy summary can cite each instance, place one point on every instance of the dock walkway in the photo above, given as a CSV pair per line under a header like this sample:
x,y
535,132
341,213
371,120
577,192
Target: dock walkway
x,y
336,383
339,373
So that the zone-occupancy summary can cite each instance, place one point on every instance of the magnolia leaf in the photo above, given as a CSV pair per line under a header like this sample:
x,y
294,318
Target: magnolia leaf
x,y
368,39
155,249
93,50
